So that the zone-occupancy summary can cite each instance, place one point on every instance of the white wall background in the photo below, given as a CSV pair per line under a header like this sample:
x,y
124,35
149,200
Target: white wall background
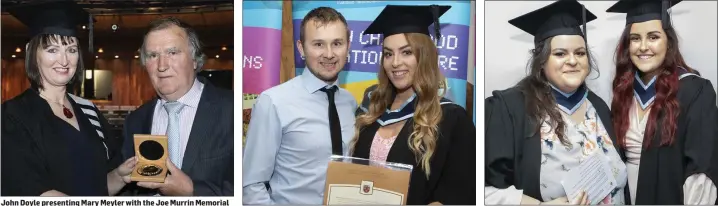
x,y
507,47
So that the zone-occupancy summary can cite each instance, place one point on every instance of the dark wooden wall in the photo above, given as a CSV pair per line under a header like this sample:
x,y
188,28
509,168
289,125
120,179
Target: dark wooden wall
x,y
130,84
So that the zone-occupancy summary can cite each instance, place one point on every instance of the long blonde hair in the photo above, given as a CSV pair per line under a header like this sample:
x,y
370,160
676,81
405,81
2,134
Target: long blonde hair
x,y
427,82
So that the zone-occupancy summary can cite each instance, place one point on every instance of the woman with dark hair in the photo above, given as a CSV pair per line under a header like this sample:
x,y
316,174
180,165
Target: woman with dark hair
x,y
551,122
407,120
55,143
664,113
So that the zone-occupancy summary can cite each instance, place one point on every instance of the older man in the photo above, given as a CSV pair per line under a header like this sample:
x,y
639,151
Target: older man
x,y
195,116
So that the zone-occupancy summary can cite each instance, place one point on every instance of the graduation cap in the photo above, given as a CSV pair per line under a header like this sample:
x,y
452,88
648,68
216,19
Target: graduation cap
x,y
644,10
562,17
52,17
395,19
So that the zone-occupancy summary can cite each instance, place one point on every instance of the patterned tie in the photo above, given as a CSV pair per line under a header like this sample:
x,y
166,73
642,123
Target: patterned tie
x,y
173,132
334,124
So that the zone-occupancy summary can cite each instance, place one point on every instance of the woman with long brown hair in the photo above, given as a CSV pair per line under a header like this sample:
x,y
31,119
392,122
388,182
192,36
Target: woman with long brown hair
x,y
664,113
551,123
407,121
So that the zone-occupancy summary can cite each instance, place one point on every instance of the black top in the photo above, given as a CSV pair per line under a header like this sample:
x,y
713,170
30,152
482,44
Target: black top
x,y
513,143
664,169
453,173
396,19
51,17
643,10
562,17
41,152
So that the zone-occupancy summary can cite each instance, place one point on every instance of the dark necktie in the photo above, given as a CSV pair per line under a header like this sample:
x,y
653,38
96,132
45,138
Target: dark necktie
x,y
334,127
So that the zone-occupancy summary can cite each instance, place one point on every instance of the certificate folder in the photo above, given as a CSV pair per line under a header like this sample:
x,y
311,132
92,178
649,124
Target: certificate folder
x,y
355,181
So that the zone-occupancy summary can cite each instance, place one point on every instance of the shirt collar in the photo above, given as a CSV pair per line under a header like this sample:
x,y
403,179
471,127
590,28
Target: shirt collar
x,y
312,83
192,97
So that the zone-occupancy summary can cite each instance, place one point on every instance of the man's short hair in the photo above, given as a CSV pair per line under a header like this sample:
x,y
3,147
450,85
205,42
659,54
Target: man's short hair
x,y
195,44
322,16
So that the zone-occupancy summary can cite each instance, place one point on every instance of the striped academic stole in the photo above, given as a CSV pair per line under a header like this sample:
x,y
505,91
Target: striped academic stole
x,y
570,102
88,108
404,112
646,93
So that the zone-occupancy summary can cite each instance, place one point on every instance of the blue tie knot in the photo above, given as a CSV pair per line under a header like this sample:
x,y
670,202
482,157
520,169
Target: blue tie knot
x,y
173,107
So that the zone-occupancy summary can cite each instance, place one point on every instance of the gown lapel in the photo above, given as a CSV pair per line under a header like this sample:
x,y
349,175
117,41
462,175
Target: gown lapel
x,y
148,116
400,151
87,128
530,160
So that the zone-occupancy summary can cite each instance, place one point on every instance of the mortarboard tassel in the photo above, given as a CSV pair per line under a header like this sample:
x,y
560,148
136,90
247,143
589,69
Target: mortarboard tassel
x,y
583,13
664,12
437,25
90,36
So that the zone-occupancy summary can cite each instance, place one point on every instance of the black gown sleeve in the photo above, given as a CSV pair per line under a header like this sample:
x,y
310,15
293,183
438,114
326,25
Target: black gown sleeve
x,y
112,141
23,172
499,144
701,140
457,182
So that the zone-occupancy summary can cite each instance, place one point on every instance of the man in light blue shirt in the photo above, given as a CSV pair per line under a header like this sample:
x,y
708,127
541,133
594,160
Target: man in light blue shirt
x,y
295,127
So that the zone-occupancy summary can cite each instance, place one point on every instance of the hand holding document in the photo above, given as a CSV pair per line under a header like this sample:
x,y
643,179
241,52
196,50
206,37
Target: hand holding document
x,y
359,181
593,176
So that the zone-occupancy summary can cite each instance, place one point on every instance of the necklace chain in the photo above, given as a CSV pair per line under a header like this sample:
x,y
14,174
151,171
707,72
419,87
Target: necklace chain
x,y
56,102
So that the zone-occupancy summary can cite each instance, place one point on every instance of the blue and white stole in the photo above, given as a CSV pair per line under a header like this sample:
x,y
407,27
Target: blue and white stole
x,y
404,112
570,102
646,94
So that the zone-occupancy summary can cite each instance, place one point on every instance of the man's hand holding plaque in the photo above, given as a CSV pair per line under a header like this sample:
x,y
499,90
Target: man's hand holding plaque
x,y
177,183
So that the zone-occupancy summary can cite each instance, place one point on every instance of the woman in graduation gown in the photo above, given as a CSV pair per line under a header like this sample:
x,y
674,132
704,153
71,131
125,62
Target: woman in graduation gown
x,y
55,143
664,114
548,124
407,121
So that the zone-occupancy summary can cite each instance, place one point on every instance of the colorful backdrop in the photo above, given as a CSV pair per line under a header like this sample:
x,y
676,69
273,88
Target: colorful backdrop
x,y
365,52
261,50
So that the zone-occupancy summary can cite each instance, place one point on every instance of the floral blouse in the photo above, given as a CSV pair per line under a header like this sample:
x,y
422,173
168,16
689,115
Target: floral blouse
x,y
585,137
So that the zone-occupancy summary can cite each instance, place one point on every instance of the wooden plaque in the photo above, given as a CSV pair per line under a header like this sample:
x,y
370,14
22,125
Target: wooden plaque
x,y
151,153
357,184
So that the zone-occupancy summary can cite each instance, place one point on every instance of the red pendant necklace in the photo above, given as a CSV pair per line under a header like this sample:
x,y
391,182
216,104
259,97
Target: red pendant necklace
x,y
65,110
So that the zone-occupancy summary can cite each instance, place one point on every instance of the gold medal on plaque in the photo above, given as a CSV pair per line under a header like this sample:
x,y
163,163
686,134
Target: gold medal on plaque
x,y
151,153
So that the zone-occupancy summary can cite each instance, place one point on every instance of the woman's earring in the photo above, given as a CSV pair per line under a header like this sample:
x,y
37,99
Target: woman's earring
x,y
303,58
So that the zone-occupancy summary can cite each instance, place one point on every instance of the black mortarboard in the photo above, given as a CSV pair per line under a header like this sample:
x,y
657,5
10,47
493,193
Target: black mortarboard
x,y
395,19
52,17
644,10
562,17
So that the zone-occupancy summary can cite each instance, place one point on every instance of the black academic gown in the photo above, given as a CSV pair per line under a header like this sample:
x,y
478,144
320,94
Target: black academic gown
x,y
663,170
513,145
41,152
453,170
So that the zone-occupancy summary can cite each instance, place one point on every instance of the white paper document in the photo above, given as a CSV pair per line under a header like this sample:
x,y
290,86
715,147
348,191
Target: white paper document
x,y
593,175
346,194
